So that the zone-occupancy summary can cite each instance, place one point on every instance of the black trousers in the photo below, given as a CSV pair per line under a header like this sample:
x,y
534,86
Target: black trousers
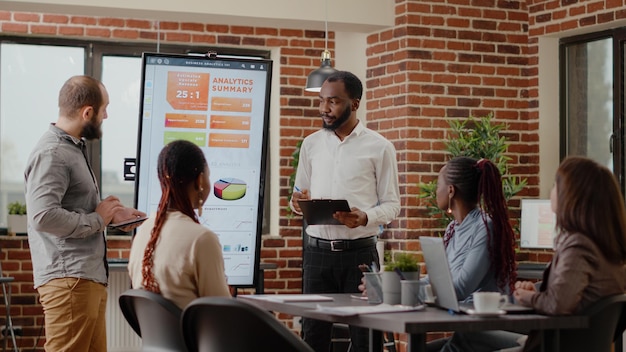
x,y
325,271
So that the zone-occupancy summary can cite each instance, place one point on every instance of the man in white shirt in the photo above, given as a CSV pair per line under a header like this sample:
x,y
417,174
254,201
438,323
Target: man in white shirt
x,y
344,160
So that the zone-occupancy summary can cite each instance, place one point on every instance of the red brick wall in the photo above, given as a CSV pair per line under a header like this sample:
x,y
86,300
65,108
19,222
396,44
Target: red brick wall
x,y
300,52
554,17
25,309
442,60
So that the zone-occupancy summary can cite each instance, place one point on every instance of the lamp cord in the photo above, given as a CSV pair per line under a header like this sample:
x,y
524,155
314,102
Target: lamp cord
x,y
158,43
326,26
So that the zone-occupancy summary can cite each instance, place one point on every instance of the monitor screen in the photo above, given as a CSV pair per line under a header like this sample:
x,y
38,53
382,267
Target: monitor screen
x,y
537,224
222,105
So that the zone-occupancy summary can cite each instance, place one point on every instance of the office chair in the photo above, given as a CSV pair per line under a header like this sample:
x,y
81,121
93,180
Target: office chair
x,y
227,324
607,322
5,281
155,319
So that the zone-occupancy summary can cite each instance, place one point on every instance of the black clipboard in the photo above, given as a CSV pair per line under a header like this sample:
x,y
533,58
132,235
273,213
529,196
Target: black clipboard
x,y
320,211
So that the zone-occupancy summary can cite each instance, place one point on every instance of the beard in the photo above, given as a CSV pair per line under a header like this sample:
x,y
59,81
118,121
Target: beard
x,y
345,115
92,130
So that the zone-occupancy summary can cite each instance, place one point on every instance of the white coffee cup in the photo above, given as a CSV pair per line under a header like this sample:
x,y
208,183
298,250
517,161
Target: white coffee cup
x,y
426,293
488,302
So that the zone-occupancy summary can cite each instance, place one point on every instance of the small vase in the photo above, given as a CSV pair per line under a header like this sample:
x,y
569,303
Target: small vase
x,y
17,224
391,285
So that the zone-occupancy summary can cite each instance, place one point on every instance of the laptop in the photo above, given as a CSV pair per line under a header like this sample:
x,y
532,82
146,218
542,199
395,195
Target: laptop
x,y
441,279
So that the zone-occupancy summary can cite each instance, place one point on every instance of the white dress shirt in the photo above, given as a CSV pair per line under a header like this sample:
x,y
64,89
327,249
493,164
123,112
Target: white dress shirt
x,y
361,169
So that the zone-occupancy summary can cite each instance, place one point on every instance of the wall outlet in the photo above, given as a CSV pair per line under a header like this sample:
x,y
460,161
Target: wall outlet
x,y
297,323
16,329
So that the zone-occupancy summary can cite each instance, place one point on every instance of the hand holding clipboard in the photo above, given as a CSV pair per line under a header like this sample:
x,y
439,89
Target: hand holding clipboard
x,y
320,211
326,211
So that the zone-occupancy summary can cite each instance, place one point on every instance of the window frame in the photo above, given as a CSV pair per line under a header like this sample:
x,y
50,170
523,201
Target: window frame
x,y
96,50
617,140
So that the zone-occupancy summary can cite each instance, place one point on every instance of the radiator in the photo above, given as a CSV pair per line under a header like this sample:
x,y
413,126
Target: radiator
x,y
120,336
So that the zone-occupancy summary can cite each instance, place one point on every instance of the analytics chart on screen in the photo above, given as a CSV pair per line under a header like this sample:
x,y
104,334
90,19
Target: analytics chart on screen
x,y
222,105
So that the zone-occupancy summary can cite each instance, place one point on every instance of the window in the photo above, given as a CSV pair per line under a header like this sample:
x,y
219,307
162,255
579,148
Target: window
x,y
122,77
592,98
32,71
28,106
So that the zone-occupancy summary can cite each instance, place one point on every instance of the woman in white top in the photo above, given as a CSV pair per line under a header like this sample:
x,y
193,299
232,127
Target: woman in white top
x,y
172,254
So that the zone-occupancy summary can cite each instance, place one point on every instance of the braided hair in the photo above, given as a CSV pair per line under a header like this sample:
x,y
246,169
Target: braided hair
x,y
179,164
479,182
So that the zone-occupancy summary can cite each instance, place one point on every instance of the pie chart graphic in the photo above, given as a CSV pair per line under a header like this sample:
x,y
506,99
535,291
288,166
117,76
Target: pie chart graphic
x,y
229,188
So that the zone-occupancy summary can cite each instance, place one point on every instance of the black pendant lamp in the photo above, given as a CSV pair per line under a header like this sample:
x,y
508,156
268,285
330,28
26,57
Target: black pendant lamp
x,y
317,77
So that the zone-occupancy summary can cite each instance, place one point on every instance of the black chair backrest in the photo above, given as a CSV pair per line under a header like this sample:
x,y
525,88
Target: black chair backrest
x,y
216,324
154,318
607,320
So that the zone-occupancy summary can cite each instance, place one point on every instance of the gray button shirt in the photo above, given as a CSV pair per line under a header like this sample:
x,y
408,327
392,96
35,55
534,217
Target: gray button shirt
x,y
65,233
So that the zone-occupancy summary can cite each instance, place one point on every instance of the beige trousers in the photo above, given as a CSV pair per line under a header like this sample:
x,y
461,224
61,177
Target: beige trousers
x,y
74,311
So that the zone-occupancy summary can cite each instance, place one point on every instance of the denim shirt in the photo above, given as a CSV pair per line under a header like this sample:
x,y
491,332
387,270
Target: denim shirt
x,y
468,255
65,234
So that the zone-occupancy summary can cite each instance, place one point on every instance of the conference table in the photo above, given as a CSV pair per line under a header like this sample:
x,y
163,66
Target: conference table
x,y
414,323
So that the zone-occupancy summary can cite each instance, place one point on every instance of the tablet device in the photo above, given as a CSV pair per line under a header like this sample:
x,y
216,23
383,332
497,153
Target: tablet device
x,y
129,222
320,211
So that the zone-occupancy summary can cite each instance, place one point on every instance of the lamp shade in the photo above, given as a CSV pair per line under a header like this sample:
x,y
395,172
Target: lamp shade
x,y
316,78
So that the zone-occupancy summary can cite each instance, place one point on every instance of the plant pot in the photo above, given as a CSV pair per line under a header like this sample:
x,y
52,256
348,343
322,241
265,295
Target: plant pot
x,y
17,224
391,285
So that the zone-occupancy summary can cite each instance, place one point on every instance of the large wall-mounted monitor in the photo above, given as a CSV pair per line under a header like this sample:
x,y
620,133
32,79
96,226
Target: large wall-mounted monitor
x,y
222,105
537,224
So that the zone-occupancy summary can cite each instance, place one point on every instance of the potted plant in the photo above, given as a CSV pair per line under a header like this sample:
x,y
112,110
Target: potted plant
x,y
16,219
403,266
292,177
477,138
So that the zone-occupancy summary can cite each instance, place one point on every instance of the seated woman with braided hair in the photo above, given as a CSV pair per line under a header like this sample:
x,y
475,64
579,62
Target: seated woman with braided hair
x,y
172,254
479,240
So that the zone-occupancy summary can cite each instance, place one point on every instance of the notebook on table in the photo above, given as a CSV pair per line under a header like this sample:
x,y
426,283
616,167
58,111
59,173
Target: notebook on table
x,y
440,279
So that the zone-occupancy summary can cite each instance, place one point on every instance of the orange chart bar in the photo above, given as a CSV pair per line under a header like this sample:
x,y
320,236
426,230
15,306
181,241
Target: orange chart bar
x,y
197,138
231,104
188,90
221,122
227,140
185,121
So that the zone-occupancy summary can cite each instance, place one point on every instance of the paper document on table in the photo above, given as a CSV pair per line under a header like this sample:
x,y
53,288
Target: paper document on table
x,y
357,310
293,298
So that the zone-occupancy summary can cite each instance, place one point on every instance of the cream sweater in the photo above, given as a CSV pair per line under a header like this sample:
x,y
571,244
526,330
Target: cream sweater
x,y
188,260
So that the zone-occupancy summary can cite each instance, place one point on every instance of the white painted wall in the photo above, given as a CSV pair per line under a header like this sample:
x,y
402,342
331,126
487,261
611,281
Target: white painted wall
x,y
346,15
548,113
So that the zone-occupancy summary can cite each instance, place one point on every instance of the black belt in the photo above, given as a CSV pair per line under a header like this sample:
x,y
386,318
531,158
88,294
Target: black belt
x,y
342,245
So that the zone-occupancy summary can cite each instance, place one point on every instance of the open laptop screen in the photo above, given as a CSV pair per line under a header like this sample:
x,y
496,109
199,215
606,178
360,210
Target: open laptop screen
x,y
439,274
440,279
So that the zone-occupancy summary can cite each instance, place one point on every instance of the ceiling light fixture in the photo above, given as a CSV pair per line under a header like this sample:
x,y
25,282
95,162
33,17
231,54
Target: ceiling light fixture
x,y
317,77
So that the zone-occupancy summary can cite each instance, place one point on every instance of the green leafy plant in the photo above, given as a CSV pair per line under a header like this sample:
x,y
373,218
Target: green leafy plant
x,y
292,178
479,138
17,208
405,262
